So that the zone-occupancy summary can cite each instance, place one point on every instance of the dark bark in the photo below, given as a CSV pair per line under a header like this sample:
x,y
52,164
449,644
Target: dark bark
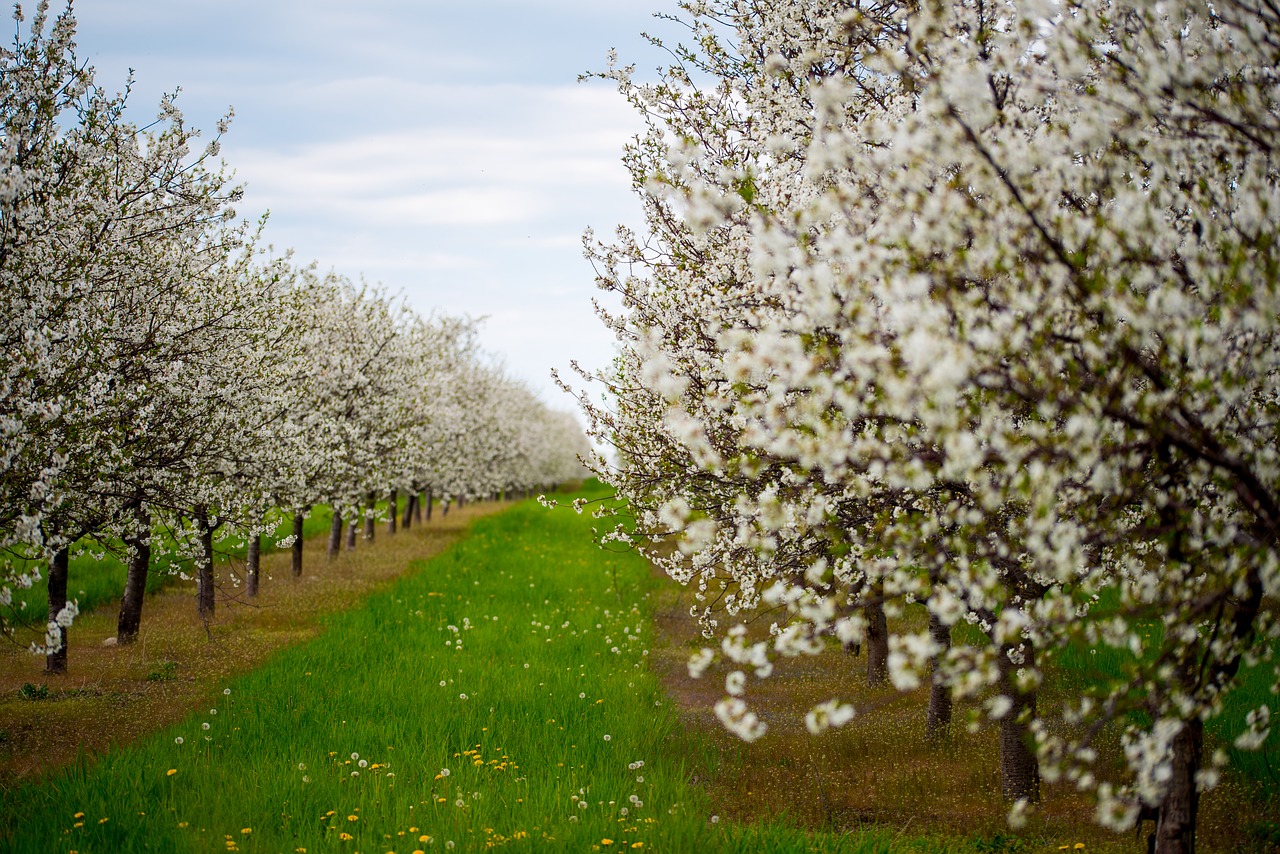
x,y
59,566
335,535
204,565
135,581
1019,770
444,508
877,637
409,501
429,499
393,507
417,509
1176,824
370,519
252,563
296,562
937,724
352,528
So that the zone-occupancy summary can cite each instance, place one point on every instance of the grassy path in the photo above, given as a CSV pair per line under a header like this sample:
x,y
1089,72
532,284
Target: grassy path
x,y
114,695
503,694
496,697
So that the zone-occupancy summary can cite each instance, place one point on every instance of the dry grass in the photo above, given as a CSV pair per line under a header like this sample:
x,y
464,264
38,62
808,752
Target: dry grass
x,y
879,770
113,695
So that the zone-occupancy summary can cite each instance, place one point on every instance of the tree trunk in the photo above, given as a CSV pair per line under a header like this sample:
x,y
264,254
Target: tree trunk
x,y
296,563
417,509
429,499
252,563
877,637
1176,824
937,725
204,565
59,567
352,527
393,507
335,534
135,580
370,520
409,501
1019,771
444,507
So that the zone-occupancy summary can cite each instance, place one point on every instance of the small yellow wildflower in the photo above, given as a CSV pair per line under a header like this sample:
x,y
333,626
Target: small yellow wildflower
x,y
606,841
353,818
103,820
637,844
344,836
79,815
246,830
171,772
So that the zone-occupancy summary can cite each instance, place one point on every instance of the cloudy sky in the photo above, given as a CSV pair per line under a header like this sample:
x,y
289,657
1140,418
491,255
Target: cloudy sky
x,y
444,149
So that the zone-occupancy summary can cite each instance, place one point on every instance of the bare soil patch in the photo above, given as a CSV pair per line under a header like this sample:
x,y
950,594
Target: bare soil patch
x,y
879,770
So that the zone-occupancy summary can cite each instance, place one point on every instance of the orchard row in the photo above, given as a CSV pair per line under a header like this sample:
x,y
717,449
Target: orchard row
x,y
955,336
168,379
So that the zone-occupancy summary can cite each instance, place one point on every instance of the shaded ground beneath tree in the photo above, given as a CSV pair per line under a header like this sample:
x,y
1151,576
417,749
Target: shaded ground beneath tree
x,y
879,770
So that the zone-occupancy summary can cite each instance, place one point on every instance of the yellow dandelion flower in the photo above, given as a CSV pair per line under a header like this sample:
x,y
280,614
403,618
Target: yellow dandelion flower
x,y
171,772
413,830
344,836
246,830
103,820
606,841
353,818
79,815
79,824
182,824
637,844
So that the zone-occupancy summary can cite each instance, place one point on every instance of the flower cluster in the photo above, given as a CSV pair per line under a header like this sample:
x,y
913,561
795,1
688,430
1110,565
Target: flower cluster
x,y
958,316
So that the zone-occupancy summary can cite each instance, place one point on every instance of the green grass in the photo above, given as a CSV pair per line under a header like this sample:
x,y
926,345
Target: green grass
x,y
540,704
560,706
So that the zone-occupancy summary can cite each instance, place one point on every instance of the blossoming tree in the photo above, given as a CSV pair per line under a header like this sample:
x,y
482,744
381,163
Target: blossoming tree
x,y
973,307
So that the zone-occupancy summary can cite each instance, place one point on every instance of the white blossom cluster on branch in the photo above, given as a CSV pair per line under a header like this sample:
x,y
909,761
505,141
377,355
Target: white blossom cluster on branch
x,y
967,312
